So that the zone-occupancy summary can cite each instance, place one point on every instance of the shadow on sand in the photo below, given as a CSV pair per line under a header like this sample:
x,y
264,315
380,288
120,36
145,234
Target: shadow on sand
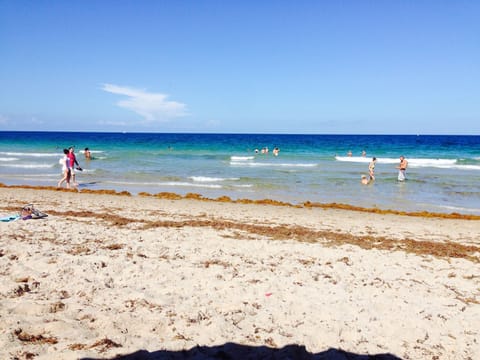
x,y
232,351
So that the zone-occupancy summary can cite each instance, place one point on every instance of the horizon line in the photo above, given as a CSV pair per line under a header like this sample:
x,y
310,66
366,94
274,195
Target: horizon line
x,y
227,133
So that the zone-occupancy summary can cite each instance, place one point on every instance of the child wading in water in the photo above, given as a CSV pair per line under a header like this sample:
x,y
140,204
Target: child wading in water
x,y
66,174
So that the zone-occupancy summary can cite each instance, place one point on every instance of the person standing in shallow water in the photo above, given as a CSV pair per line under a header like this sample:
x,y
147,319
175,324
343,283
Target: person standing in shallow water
x,y
88,154
402,168
371,169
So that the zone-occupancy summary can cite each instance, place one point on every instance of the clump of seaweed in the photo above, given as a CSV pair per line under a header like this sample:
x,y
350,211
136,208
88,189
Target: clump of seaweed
x,y
106,192
79,250
25,337
25,355
208,263
168,196
57,307
21,290
424,214
194,196
103,344
114,247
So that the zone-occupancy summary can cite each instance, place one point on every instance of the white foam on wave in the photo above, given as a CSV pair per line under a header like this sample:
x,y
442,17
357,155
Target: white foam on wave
x,y
28,166
92,151
8,153
211,179
168,183
262,164
460,209
242,158
459,167
188,184
414,162
9,159
432,162
361,159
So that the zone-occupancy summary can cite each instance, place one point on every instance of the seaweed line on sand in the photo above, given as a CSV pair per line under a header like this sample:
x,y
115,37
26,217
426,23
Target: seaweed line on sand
x,y
303,234
307,204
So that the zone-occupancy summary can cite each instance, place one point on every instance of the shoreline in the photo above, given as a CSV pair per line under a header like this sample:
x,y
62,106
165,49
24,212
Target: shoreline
x,y
440,179
106,275
227,199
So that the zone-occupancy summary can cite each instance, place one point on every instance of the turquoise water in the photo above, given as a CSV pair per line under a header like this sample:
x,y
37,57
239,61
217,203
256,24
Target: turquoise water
x,y
443,175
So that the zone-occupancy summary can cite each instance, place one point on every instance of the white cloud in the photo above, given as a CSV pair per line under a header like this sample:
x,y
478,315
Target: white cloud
x,y
3,120
153,107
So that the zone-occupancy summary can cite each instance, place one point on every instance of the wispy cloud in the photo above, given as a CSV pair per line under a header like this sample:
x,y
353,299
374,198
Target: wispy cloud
x,y
153,107
3,120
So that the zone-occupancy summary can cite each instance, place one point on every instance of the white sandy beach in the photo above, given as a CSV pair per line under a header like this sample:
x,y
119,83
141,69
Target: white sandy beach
x,y
108,275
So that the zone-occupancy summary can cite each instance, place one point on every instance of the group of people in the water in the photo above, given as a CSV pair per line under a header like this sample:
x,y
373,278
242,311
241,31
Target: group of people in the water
x,y
265,150
350,154
402,168
70,164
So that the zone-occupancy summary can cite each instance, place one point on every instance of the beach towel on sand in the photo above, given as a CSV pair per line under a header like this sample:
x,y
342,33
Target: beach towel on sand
x,y
10,218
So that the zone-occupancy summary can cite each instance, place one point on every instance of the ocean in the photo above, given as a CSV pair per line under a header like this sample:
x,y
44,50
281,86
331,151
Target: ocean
x,y
443,174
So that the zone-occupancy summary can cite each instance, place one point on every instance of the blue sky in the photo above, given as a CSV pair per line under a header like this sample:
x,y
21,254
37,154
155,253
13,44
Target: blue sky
x,y
321,67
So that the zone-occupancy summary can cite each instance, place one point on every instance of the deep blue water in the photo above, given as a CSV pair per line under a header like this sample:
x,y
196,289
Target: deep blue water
x,y
443,175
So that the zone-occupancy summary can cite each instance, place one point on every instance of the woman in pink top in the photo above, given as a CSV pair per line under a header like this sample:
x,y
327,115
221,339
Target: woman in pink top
x,y
73,161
